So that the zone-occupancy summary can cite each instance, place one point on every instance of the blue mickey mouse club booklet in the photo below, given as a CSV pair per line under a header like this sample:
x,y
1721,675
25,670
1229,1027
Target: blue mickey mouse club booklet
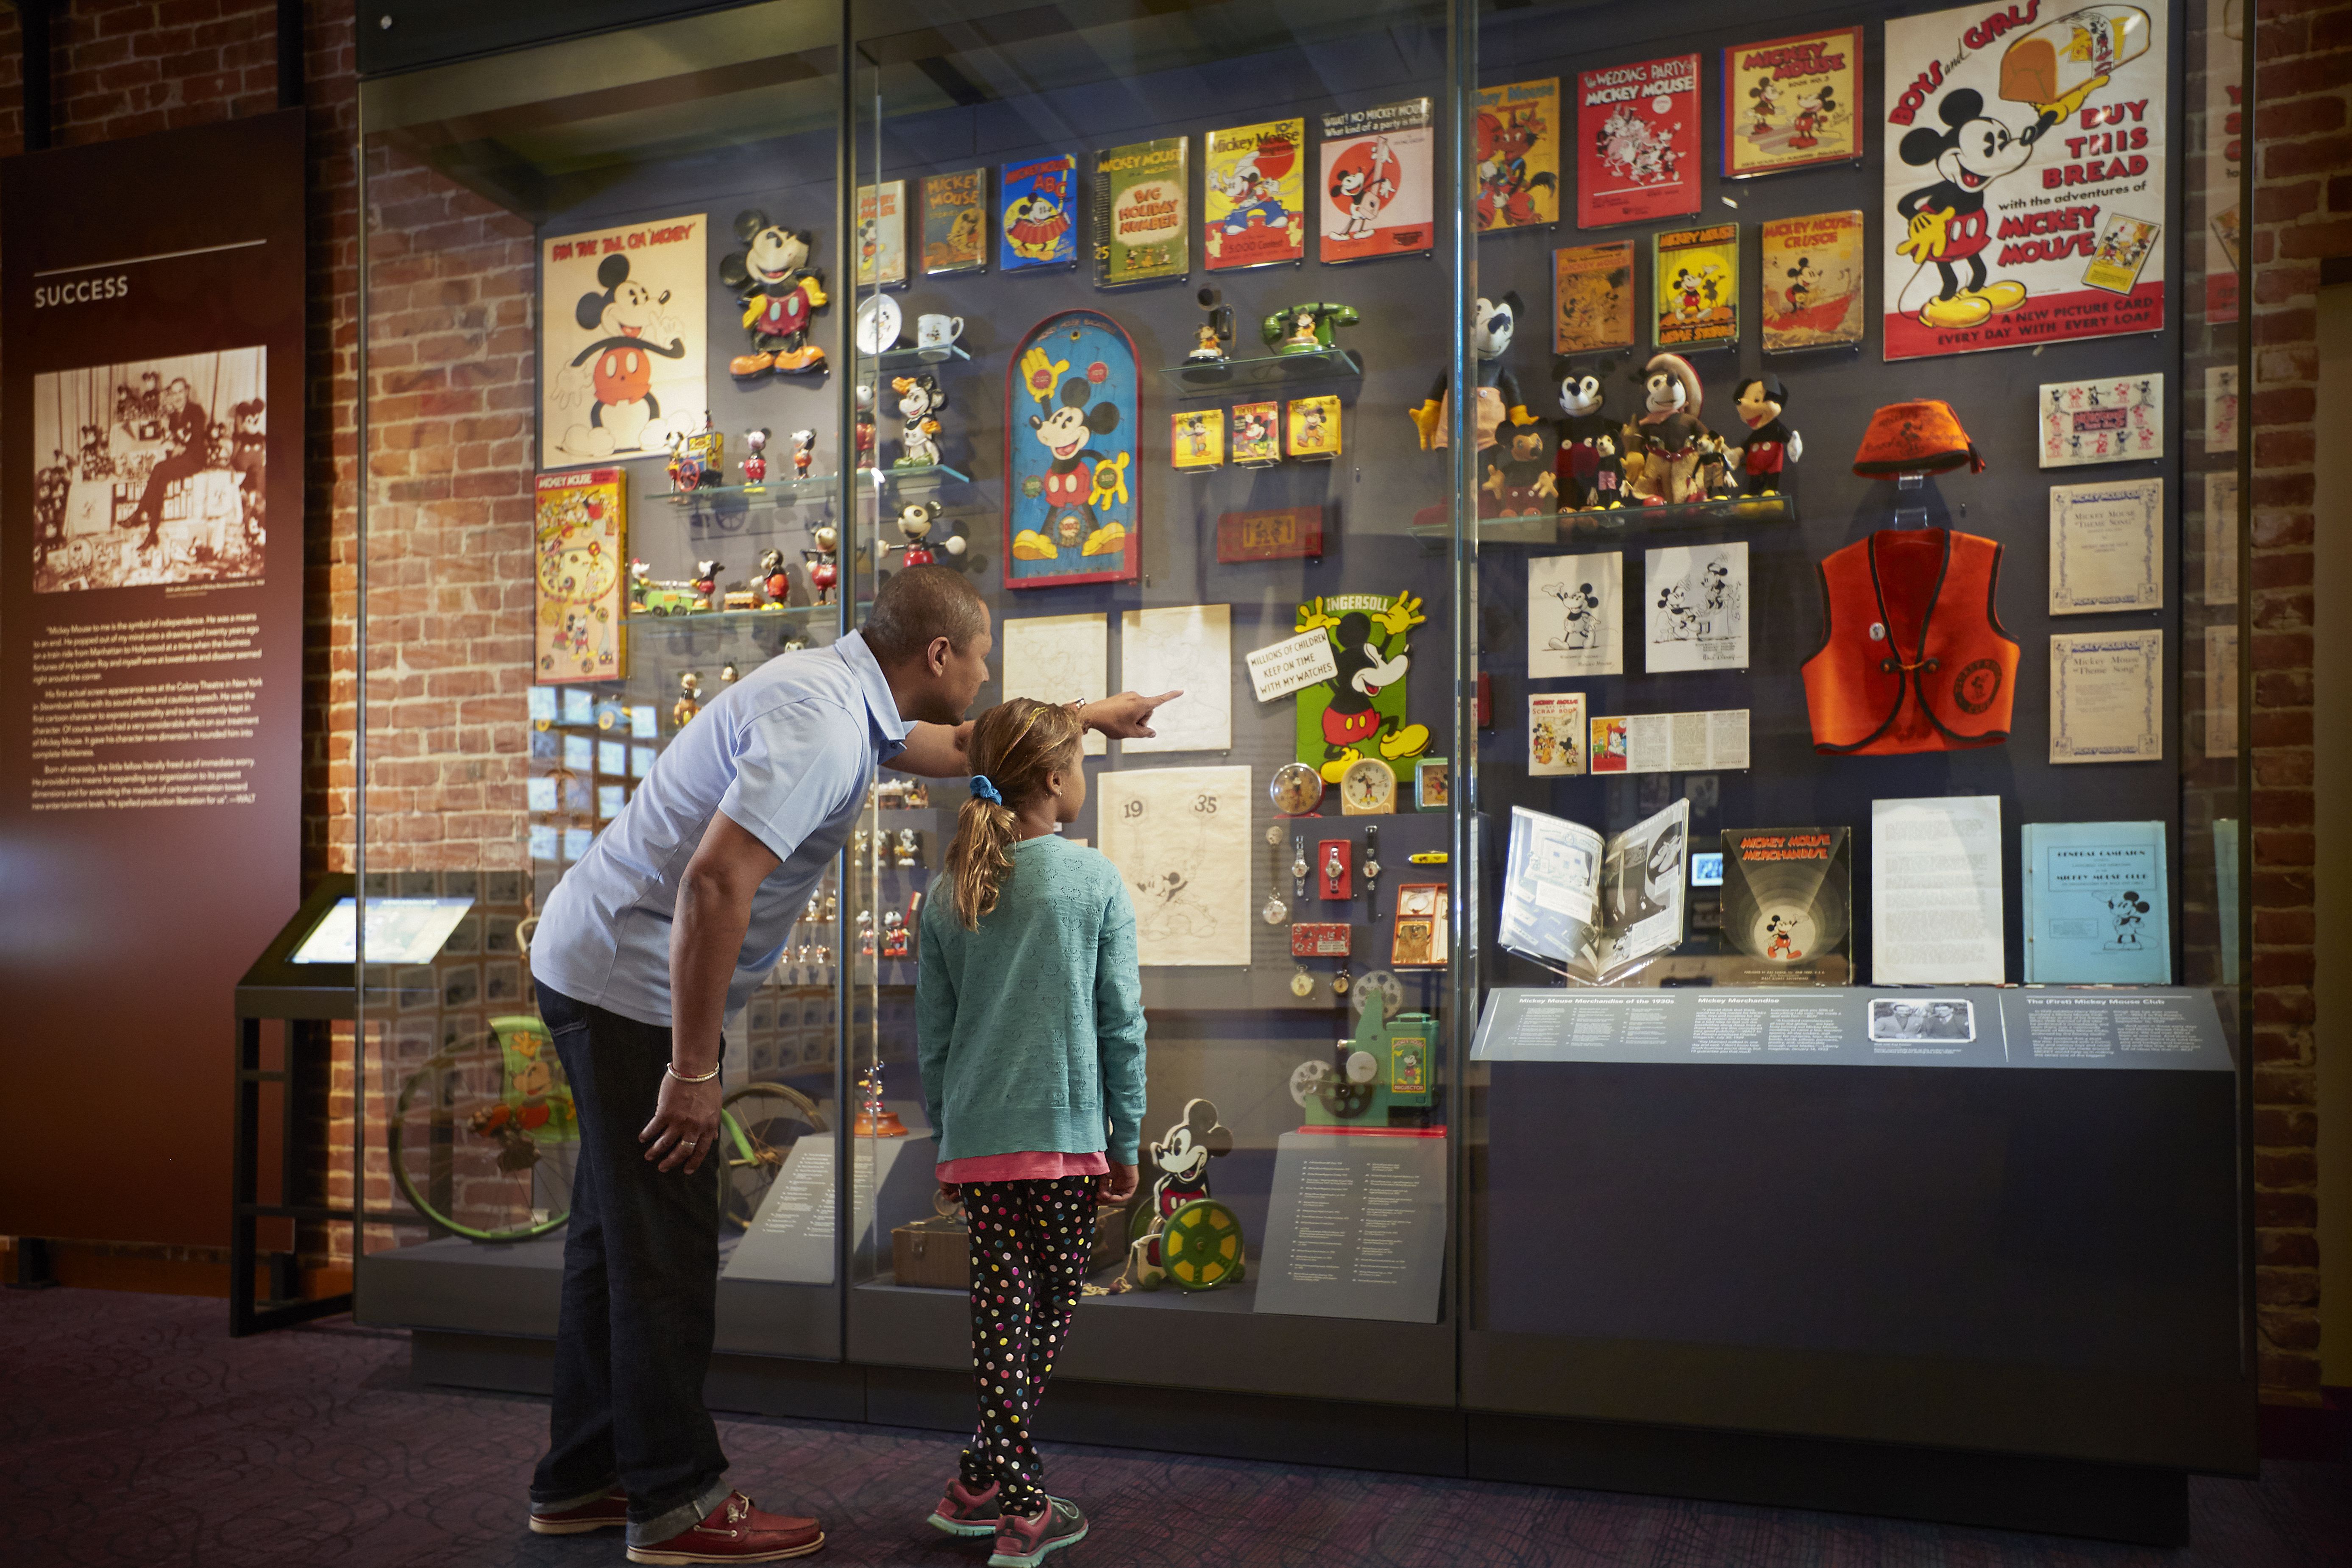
x,y
2096,911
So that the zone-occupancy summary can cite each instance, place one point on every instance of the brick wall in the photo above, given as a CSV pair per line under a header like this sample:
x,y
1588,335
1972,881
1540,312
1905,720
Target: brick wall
x,y
2302,215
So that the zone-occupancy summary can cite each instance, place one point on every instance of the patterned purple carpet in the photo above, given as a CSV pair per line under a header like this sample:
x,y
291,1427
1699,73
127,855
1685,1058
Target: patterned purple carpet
x,y
133,1430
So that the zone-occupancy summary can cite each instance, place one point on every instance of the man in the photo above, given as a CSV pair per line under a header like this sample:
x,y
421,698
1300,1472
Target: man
x,y
673,917
187,433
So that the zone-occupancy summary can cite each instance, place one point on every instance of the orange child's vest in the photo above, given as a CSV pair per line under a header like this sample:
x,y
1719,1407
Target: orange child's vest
x,y
1913,655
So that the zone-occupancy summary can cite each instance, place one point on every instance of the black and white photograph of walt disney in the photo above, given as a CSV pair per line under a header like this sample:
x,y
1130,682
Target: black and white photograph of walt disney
x,y
1940,1018
151,472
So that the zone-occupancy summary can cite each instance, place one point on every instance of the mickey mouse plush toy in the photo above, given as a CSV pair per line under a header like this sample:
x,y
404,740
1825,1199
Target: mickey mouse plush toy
x,y
1498,389
623,313
780,293
1581,399
1771,444
1947,221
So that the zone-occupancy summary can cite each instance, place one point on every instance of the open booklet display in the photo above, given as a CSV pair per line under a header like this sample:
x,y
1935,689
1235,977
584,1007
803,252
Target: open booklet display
x,y
1595,909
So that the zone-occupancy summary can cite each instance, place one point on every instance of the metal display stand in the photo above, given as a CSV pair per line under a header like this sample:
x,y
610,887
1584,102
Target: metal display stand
x,y
307,997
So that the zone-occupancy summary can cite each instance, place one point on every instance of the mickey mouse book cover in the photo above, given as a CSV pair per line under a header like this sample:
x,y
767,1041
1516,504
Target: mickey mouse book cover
x,y
1812,271
1697,274
1637,131
1377,180
1788,896
1039,224
2025,176
882,235
955,222
1791,102
1519,153
1254,210
622,339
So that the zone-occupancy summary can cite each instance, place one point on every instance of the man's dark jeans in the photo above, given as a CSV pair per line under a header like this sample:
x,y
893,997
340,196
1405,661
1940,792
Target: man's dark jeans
x,y
640,1293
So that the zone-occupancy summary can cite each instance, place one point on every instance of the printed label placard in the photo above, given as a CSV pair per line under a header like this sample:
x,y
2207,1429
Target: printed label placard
x,y
2025,176
1291,664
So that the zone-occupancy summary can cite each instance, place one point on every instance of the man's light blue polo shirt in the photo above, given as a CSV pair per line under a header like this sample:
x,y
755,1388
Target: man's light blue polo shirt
x,y
788,753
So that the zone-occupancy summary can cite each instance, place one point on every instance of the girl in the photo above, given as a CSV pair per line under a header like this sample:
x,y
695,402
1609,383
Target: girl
x,y
1029,1022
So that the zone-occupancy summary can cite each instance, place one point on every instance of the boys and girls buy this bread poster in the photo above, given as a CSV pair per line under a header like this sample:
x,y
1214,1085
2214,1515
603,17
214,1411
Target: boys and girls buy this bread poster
x,y
2024,200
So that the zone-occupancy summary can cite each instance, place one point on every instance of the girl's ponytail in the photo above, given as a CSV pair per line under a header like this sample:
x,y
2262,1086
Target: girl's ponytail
x,y
1014,745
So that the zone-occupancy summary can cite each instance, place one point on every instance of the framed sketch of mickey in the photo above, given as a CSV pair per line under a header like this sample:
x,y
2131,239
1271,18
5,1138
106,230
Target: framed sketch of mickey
x,y
1072,491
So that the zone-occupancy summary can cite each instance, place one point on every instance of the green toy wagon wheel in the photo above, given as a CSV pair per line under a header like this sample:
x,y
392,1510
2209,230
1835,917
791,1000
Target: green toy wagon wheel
x,y
1200,1246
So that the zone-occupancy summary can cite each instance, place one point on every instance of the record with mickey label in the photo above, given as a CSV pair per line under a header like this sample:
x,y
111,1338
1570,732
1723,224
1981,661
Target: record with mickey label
x,y
1787,904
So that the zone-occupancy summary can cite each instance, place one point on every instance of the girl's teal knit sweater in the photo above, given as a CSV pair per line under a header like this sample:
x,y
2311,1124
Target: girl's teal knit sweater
x,y
1030,1029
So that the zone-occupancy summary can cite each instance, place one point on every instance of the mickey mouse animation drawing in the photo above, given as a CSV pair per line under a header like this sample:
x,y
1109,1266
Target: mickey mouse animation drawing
x,y
630,322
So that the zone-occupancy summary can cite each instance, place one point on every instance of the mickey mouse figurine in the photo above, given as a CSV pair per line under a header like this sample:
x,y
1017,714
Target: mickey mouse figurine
x,y
803,452
914,522
705,581
1498,389
822,574
920,398
775,582
779,292
689,700
1771,444
1210,338
755,466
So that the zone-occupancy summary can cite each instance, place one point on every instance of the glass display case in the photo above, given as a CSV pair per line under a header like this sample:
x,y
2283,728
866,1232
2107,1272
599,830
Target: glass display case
x,y
1861,1049
1156,413
588,510
1696,886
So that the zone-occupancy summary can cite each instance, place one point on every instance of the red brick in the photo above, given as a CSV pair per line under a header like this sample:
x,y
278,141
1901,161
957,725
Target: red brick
x,y
2299,116
2310,155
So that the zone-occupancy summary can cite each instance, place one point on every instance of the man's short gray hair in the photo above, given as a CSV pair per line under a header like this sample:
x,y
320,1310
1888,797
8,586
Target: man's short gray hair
x,y
921,603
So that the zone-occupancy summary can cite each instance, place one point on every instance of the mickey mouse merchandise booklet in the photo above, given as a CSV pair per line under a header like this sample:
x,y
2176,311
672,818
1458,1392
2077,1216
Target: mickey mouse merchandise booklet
x,y
1787,903
1591,909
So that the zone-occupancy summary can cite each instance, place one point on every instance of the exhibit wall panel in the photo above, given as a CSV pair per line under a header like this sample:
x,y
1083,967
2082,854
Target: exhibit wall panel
x,y
153,615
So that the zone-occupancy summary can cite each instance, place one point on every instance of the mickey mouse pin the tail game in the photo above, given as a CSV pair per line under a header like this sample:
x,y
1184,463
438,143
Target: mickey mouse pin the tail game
x,y
623,313
1073,497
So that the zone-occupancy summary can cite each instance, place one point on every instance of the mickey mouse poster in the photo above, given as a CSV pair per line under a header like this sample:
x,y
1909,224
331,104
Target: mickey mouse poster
x,y
2025,176
622,339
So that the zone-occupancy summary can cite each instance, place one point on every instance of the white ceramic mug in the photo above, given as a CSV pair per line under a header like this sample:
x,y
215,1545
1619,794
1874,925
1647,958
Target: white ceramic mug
x,y
938,332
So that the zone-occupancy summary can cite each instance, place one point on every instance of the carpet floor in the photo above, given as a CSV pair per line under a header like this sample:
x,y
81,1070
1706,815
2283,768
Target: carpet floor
x,y
134,1431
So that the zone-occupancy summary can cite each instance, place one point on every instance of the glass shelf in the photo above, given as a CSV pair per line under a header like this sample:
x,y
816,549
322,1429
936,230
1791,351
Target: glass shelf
x,y
775,492
645,620
930,476
1209,376
900,356
1432,527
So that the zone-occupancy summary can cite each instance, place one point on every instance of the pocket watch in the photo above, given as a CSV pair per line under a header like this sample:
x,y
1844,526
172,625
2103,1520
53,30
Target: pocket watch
x,y
1367,789
1295,789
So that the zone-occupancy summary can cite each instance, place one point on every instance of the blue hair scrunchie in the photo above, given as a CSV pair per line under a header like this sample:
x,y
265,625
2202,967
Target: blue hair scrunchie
x,y
982,788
